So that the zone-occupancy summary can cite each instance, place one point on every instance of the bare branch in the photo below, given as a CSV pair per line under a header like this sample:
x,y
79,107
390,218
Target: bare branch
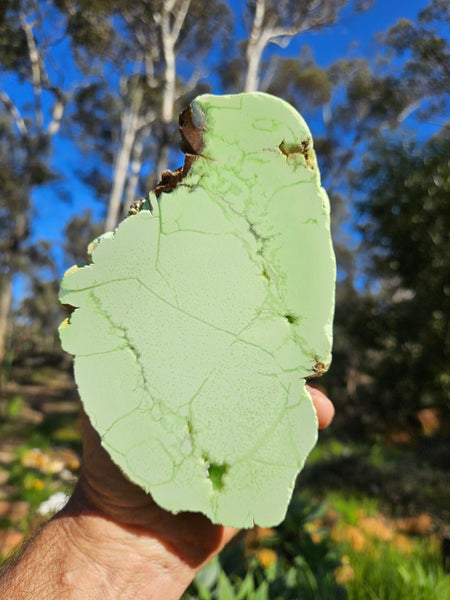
x,y
326,113
194,79
58,109
146,120
169,5
409,109
36,69
266,30
179,19
269,73
14,112
135,168
260,11
130,123
290,32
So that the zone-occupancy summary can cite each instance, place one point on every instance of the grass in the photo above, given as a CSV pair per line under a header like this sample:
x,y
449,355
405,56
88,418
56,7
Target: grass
x,y
345,548
387,573
350,507
404,479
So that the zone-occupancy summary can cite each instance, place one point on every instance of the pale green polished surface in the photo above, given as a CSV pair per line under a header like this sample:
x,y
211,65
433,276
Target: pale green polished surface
x,y
198,322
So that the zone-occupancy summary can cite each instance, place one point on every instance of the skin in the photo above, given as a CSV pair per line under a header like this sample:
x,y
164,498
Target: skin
x,y
113,542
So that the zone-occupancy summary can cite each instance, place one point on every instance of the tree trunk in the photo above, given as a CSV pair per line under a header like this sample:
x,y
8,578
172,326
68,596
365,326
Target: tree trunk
x,y
255,48
136,165
131,124
173,17
254,55
162,160
169,39
5,305
170,78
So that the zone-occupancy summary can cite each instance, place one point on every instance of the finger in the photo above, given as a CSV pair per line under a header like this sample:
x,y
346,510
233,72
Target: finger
x,y
323,405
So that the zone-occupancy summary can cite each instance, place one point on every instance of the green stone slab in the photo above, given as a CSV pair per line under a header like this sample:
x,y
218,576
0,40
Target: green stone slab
x,y
200,317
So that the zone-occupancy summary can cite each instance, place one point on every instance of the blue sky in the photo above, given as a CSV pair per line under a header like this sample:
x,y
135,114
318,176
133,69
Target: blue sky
x,y
352,36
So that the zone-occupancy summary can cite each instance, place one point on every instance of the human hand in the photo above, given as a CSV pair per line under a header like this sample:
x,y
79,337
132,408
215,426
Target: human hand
x,y
191,537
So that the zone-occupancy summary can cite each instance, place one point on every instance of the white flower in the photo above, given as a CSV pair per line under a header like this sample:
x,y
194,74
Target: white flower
x,y
56,502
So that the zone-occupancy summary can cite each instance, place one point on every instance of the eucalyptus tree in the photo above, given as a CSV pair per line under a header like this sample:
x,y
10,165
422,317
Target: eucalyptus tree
x,y
406,87
277,23
405,223
156,54
392,320
33,101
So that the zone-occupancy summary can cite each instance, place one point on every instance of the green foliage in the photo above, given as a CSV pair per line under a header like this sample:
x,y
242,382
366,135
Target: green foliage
x,y
89,28
76,233
37,314
405,223
295,78
36,469
351,506
426,70
13,46
392,345
14,407
410,78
